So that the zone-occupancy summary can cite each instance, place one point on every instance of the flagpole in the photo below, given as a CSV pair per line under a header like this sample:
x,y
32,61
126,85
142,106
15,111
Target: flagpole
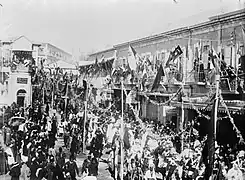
x,y
85,118
122,132
43,92
217,77
66,97
52,100
182,117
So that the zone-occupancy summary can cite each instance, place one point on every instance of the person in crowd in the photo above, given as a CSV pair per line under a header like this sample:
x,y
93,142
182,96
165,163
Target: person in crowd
x,y
51,175
234,173
66,135
150,174
71,168
47,109
60,157
15,171
93,167
33,168
97,144
53,132
61,128
74,146
25,172
85,165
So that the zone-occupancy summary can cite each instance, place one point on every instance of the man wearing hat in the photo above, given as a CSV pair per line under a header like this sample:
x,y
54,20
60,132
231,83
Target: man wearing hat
x,y
15,171
71,168
150,174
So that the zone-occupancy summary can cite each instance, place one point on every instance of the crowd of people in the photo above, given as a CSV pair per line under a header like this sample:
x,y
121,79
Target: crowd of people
x,y
151,150
30,149
155,151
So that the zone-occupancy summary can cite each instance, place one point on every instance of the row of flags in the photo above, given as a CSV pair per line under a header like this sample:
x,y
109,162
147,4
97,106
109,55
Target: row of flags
x,y
140,67
136,64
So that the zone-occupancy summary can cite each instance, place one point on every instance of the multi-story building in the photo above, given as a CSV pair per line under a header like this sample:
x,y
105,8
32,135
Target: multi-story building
x,y
17,54
222,33
52,54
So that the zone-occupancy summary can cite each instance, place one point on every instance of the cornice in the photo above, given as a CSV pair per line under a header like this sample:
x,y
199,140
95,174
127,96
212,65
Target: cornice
x,y
214,22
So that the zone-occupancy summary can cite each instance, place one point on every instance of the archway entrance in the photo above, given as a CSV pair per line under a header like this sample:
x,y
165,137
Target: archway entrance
x,y
21,94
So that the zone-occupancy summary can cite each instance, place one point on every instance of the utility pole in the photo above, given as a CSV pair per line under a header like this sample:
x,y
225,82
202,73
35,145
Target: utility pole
x,y
122,133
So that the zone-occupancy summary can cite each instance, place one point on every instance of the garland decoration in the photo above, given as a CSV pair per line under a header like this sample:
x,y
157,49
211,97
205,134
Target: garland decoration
x,y
166,102
238,132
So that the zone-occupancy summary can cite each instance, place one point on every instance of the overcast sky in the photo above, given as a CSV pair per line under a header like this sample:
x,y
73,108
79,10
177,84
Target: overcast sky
x,y
97,24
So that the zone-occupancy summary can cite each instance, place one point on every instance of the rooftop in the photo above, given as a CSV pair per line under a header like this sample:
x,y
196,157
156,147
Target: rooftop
x,y
182,28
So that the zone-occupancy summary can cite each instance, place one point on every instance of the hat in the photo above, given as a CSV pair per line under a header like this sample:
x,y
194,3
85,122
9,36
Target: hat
x,y
14,163
241,153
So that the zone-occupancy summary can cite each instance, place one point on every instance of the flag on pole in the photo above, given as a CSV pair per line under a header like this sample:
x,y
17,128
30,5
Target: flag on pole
x,y
41,63
173,55
132,61
96,66
26,62
143,79
160,74
114,65
233,38
102,58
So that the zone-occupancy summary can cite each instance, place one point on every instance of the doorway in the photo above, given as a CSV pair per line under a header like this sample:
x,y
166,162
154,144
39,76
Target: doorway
x,y
21,94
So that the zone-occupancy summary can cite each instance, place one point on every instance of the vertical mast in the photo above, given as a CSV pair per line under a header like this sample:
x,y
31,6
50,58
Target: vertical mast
x,y
122,133
85,118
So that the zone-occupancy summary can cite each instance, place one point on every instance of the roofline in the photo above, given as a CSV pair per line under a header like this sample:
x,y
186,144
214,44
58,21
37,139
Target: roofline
x,y
102,51
239,14
212,20
57,48
13,40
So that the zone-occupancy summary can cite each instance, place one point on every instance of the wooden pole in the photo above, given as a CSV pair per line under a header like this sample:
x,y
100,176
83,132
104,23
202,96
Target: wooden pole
x,y
217,77
66,97
43,94
122,133
85,119
182,119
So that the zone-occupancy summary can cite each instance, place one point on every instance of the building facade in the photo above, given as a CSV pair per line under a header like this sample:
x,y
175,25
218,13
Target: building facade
x,y
18,54
221,33
52,54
